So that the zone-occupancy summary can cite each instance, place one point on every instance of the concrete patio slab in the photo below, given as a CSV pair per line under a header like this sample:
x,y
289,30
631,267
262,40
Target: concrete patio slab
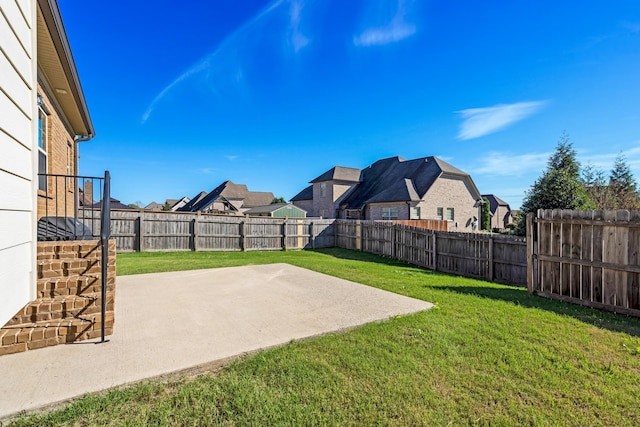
x,y
172,322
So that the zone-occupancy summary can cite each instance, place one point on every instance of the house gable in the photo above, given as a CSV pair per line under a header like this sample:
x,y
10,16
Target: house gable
x,y
228,197
389,186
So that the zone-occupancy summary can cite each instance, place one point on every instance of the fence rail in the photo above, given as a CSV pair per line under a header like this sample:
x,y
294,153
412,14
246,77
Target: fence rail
x,y
590,258
486,256
136,231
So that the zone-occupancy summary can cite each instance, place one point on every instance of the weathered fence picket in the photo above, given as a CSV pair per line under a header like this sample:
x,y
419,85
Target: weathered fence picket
x,y
169,231
586,257
485,256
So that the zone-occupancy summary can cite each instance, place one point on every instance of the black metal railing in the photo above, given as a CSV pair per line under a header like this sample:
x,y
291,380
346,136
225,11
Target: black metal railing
x,y
76,207
105,232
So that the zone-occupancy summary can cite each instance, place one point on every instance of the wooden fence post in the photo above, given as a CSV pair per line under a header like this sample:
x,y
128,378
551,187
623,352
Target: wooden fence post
x,y
284,234
194,233
490,272
358,235
312,237
140,231
394,241
435,252
241,229
530,251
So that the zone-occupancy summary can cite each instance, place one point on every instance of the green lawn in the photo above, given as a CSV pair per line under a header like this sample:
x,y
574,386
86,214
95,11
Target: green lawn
x,y
487,355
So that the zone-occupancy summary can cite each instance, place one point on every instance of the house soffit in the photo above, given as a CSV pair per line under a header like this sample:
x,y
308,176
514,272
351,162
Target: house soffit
x,y
56,64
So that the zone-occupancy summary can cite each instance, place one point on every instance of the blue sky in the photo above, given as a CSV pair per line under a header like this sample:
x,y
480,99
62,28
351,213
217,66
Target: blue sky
x,y
271,94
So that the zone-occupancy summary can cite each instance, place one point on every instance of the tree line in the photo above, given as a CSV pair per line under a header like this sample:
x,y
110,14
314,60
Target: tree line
x,y
565,184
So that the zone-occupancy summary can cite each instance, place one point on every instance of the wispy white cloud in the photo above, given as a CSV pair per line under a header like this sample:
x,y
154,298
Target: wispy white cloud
x,y
632,27
297,39
231,157
604,161
507,164
205,64
393,32
478,122
207,171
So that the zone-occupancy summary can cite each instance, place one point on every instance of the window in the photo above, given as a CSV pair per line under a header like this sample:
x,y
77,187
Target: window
x,y
353,214
390,213
450,216
439,214
42,146
415,213
323,190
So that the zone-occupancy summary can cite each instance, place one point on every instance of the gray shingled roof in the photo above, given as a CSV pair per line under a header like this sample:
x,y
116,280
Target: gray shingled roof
x,y
270,208
306,194
387,180
494,202
229,191
339,173
191,203
395,179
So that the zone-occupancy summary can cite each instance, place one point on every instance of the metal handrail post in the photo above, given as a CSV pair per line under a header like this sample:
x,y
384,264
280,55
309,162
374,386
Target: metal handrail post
x,y
105,231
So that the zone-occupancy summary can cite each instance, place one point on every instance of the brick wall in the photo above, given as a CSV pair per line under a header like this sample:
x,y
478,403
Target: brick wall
x,y
61,155
451,192
68,303
327,205
374,210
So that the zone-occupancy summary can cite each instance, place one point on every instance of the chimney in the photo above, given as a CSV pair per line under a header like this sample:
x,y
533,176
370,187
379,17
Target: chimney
x,y
87,198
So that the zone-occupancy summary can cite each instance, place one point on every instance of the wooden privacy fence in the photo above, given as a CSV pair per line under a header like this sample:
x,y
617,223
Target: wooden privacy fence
x,y
586,257
486,256
169,231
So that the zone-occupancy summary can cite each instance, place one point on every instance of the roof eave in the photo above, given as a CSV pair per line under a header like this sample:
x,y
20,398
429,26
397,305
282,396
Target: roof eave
x,y
55,26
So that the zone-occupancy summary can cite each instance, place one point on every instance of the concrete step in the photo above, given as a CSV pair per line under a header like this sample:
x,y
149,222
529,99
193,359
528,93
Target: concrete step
x,y
68,285
61,307
28,336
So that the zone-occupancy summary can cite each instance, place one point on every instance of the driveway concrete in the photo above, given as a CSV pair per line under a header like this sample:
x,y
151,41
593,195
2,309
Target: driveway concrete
x,y
166,323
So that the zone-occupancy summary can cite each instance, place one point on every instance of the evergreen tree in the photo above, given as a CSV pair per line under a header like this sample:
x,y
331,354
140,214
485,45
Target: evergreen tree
x,y
623,185
597,186
485,217
559,187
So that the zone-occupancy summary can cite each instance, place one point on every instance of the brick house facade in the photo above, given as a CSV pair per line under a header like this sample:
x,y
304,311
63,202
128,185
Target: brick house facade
x,y
58,149
395,189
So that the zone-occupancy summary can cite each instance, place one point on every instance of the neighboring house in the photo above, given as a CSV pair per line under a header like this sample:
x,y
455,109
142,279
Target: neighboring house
x,y
229,199
501,215
193,202
277,210
43,115
395,189
113,204
170,205
177,204
154,206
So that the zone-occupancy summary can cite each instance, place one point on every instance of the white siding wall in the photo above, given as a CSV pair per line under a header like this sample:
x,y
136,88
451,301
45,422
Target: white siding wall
x,y
18,146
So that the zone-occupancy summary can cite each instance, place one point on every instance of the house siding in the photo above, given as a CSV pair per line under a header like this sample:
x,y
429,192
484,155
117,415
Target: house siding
x,y
451,192
18,146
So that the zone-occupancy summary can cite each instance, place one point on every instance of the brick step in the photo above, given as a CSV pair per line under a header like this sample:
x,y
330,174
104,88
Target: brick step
x,y
69,285
29,336
61,307
67,267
